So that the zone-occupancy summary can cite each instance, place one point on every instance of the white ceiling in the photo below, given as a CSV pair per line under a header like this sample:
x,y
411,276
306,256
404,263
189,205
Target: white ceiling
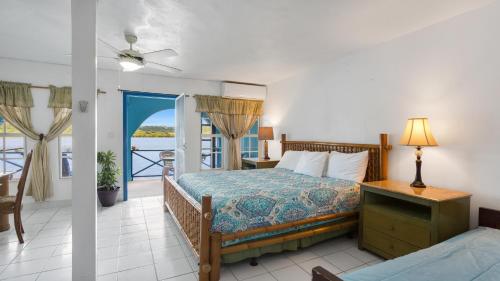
x,y
257,41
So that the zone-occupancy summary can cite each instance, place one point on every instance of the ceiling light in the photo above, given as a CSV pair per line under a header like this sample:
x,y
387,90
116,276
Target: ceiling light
x,y
130,64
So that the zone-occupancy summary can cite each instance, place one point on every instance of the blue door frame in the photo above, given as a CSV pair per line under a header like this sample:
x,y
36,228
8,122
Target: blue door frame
x,y
126,136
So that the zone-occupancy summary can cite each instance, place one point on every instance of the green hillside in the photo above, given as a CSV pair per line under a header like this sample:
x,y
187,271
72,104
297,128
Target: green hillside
x,y
155,132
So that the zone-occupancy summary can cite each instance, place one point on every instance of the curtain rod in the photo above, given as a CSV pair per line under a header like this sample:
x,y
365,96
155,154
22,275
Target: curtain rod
x,y
235,98
99,91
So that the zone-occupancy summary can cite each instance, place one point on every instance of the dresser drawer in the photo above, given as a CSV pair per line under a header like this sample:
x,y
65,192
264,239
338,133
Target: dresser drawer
x,y
397,227
391,246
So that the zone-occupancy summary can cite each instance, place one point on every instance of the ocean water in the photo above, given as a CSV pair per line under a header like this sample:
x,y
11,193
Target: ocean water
x,y
158,144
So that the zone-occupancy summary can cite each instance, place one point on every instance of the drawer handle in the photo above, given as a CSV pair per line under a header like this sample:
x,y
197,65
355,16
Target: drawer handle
x,y
391,247
393,228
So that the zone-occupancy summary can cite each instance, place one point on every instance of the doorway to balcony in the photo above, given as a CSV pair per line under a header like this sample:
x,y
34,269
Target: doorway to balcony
x,y
148,142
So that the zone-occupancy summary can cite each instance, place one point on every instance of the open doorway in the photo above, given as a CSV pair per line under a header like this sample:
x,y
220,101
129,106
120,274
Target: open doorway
x,y
148,142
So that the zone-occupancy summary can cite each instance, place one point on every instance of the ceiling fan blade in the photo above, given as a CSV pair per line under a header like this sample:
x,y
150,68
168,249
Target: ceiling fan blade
x,y
107,58
161,53
162,67
99,57
109,46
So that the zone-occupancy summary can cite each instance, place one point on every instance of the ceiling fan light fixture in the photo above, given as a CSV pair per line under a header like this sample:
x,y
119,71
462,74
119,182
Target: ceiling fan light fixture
x,y
130,64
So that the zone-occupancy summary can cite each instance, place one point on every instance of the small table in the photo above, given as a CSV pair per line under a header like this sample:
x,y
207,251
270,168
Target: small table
x,y
258,163
4,191
397,219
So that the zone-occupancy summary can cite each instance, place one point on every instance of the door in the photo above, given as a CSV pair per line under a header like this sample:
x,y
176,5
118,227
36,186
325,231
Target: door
x,y
180,136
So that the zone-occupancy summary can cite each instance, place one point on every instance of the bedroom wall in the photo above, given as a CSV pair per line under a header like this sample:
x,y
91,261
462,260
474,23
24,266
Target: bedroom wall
x,y
448,72
110,128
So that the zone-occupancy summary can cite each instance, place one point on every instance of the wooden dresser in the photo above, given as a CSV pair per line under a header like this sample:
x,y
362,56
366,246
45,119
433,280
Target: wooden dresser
x,y
258,163
396,219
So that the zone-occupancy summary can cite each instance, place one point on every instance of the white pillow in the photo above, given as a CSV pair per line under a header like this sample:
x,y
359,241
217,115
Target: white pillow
x,y
312,163
289,160
348,166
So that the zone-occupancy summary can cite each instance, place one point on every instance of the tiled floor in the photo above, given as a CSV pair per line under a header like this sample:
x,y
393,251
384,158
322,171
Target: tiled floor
x,y
140,188
138,241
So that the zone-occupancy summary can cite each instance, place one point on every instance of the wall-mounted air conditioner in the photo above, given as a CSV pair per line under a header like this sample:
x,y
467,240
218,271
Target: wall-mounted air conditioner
x,y
235,90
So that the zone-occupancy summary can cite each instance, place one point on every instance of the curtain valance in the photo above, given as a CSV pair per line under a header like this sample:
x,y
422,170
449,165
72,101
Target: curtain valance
x,y
222,105
60,97
15,94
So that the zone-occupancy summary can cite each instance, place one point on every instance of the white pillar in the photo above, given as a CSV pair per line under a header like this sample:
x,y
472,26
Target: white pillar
x,y
83,19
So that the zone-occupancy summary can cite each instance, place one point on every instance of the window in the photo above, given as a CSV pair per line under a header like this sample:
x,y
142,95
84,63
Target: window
x,y
250,142
66,153
211,144
12,148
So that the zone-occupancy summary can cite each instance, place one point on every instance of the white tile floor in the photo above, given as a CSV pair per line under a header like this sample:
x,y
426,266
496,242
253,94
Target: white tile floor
x,y
138,241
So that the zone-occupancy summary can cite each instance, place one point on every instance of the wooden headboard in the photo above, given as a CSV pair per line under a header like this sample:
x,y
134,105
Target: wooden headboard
x,y
489,218
378,161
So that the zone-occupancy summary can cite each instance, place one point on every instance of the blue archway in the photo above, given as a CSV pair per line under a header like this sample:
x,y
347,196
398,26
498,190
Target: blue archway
x,y
137,107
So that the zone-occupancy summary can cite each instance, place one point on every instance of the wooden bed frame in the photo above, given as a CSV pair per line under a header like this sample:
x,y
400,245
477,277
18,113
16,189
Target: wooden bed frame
x,y
195,219
487,218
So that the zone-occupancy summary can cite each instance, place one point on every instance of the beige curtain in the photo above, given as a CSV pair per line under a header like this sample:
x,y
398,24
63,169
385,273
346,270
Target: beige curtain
x,y
41,182
15,107
233,117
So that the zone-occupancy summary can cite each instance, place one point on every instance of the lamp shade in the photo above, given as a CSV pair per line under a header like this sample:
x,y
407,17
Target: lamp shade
x,y
266,133
418,133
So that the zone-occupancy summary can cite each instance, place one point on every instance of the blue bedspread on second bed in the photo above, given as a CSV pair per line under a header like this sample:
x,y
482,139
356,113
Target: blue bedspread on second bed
x,y
474,255
248,199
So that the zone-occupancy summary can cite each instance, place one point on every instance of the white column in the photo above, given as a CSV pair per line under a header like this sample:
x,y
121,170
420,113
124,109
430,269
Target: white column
x,y
83,19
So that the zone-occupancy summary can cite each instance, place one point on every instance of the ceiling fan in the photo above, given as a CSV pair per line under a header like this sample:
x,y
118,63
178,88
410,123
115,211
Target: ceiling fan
x,y
132,60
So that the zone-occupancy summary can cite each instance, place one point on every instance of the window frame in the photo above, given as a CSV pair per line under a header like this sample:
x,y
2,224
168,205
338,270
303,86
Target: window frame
x,y
212,136
256,135
4,135
59,155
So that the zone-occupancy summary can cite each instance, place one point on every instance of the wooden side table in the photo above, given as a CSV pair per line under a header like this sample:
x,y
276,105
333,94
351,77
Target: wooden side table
x,y
258,163
4,191
396,219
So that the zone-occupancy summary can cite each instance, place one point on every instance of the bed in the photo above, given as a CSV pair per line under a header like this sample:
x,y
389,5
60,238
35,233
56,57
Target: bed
x,y
473,255
228,215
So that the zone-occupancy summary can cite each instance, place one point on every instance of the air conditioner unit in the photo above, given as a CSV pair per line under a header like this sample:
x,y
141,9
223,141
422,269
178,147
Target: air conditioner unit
x,y
235,90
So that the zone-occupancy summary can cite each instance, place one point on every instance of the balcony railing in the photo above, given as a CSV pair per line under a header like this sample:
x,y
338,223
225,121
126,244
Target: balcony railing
x,y
148,170
7,157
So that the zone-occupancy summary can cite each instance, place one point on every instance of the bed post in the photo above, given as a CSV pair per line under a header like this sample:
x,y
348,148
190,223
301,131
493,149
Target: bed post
x,y
206,222
215,255
384,156
165,182
283,141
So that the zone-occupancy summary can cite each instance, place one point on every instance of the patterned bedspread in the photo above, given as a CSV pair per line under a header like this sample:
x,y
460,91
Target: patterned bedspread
x,y
248,199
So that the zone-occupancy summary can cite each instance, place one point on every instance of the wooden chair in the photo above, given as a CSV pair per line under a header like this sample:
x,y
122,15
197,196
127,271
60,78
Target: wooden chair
x,y
13,204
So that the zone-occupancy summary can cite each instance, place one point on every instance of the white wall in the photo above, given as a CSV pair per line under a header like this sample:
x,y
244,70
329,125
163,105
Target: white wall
x,y
110,127
448,72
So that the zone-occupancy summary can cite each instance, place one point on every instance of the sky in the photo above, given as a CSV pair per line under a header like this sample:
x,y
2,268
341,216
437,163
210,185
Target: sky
x,y
161,118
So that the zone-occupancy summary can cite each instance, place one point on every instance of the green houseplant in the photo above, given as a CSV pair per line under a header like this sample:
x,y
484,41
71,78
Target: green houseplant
x,y
107,177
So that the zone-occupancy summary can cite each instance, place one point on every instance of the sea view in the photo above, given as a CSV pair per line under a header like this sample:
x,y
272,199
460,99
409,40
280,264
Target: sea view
x,y
149,143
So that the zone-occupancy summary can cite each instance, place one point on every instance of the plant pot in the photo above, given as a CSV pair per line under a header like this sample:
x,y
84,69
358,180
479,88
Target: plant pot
x,y
107,197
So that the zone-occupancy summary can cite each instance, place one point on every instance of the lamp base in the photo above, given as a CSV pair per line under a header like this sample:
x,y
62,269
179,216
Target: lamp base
x,y
418,176
266,149
419,184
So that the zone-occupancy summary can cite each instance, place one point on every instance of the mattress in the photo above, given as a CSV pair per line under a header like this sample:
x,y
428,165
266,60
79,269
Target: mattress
x,y
474,255
246,199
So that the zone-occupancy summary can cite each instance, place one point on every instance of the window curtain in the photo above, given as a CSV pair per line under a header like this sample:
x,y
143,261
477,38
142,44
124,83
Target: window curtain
x,y
233,117
15,107
41,182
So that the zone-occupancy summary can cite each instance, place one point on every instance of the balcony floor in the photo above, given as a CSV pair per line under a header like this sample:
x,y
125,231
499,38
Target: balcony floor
x,y
140,188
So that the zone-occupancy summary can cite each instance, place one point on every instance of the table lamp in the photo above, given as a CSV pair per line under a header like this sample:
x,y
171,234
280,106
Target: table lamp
x,y
265,134
418,133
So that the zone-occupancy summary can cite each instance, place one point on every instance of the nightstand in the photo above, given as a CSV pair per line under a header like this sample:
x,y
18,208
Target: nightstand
x,y
258,163
396,219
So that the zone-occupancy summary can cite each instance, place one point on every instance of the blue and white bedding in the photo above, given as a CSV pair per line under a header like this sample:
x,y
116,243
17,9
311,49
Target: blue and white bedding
x,y
474,255
247,199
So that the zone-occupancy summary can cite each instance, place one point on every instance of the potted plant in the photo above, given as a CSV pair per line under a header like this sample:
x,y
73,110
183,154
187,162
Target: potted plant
x,y
107,178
